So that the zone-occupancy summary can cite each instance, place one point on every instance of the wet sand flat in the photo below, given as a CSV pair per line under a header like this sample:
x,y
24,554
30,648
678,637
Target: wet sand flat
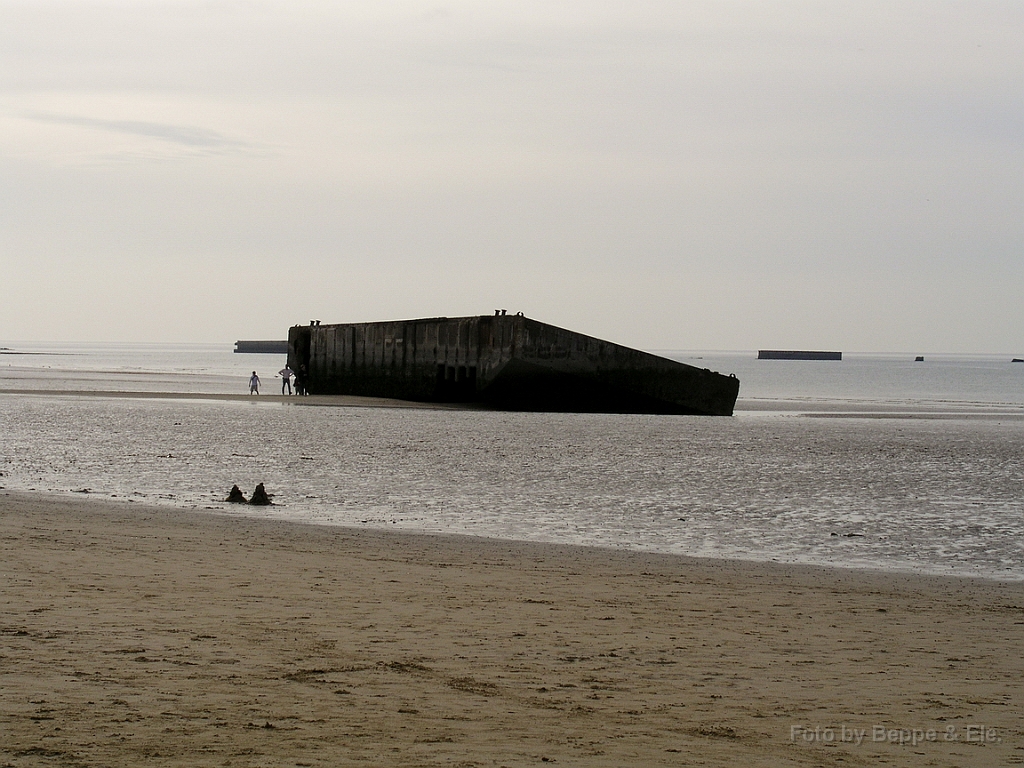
x,y
811,407
134,635
341,401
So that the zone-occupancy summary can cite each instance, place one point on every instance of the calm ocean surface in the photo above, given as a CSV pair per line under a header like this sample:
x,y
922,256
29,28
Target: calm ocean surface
x,y
875,461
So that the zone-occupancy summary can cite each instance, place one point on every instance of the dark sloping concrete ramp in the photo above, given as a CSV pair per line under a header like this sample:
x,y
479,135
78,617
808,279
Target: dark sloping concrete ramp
x,y
508,361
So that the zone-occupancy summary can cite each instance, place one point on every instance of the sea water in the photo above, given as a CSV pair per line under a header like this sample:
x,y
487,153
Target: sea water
x,y
875,461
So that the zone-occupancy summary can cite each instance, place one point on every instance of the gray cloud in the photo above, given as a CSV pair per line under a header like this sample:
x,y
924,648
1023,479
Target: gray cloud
x,y
182,135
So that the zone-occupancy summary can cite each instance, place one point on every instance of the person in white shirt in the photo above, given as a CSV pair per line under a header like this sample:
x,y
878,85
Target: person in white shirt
x,y
286,379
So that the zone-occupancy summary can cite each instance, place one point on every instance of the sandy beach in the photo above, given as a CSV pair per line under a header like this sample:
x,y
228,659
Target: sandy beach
x,y
133,635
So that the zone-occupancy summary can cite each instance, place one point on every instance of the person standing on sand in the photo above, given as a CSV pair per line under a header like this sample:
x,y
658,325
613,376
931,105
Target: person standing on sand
x,y
254,384
286,379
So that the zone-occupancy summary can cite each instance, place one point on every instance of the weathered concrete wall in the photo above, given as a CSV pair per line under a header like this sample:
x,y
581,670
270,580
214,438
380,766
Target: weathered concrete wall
x,y
797,354
262,347
509,361
429,359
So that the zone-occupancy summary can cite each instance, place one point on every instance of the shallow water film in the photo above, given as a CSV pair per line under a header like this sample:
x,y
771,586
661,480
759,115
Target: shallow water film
x,y
926,493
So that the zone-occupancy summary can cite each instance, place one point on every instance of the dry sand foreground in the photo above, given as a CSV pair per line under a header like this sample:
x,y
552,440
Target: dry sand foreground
x,y
133,635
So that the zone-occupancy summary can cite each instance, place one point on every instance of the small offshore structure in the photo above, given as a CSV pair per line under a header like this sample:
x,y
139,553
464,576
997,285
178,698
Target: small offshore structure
x,y
506,361
262,347
797,354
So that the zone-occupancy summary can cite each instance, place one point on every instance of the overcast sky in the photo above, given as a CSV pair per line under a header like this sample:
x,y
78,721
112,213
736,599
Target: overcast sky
x,y
668,175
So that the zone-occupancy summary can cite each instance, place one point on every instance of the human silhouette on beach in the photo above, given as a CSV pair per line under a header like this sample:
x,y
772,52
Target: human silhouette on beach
x,y
286,379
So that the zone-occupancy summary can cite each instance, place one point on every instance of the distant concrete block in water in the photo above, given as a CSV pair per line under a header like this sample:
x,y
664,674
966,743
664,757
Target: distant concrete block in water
x,y
262,347
796,354
506,361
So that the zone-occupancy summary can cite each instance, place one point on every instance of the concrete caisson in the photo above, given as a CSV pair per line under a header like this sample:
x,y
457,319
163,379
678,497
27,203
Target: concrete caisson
x,y
505,361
